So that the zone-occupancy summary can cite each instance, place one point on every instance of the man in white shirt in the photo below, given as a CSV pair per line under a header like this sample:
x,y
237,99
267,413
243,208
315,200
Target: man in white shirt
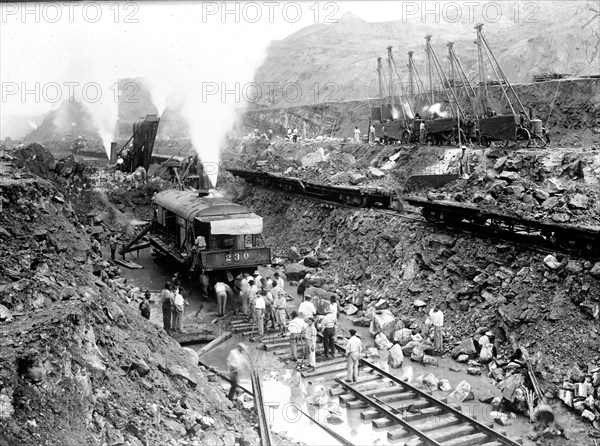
x,y
307,308
353,351
356,134
437,320
259,313
222,290
279,279
297,329
236,361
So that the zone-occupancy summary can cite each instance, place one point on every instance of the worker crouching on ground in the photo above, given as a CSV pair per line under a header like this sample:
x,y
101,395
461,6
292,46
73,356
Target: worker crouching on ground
x,y
329,324
145,305
297,329
166,297
236,361
353,351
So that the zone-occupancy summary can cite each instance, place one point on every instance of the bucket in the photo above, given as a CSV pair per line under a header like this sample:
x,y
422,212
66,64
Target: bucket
x,y
536,126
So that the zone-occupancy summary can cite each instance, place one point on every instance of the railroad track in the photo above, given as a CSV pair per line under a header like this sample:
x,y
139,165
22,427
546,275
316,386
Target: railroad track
x,y
408,415
546,238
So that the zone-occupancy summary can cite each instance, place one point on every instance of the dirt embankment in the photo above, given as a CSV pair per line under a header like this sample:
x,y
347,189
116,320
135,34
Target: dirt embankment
x,y
478,283
78,363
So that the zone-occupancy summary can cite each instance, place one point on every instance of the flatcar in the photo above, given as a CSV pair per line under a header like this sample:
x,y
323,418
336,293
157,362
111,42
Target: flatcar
x,y
207,235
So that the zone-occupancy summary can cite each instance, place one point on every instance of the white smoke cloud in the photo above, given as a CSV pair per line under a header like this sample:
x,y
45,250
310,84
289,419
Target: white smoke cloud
x,y
435,108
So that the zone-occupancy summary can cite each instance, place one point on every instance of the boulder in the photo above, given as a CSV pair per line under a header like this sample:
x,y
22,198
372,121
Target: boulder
x,y
182,372
357,178
462,358
550,203
431,381
381,341
595,271
500,418
311,159
396,356
475,371
579,201
466,347
552,262
460,394
312,261
509,176
553,186
419,303
348,159
408,348
294,254
444,385
430,360
340,178
5,314
487,353
541,195
376,173
383,322
403,336
417,354
296,271
350,309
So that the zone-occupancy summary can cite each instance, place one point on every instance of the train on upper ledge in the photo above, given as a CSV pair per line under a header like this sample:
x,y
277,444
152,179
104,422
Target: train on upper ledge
x,y
579,240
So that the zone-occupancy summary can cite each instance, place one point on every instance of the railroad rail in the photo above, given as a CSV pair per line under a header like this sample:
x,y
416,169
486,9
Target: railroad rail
x,y
573,239
407,414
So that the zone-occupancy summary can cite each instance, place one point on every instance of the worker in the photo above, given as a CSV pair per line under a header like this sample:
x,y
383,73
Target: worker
x,y
297,330
437,320
353,351
295,135
356,134
237,360
166,297
329,324
257,279
307,308
464,163
259,313
334,306
279,279
422,133
178,310
311,342
222,291
244,289
112,243
372,133
200,243
279,304
96,247
289,134
269,311
145,305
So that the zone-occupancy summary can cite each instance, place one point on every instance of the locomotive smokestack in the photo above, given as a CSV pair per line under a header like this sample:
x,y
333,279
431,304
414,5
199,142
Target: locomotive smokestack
x,y
203,181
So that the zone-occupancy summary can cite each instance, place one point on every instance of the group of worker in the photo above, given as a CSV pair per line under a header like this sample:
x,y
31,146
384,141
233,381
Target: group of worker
x,y
173,307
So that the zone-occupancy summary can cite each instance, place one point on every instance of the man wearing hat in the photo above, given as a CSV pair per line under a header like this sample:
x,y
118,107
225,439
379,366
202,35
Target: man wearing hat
x,y
237,360
297,329
353,351
329,323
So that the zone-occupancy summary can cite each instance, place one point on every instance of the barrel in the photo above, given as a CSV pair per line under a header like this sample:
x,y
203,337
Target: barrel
x,y
536,126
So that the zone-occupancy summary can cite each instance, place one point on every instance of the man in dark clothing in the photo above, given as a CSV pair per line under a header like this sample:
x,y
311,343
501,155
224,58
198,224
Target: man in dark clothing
x,y
166,298
145,305
113,246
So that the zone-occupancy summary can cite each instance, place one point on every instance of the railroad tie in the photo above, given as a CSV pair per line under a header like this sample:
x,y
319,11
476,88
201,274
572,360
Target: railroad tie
x,y
456,435
384,388
423,415
400,406
476,439
428,425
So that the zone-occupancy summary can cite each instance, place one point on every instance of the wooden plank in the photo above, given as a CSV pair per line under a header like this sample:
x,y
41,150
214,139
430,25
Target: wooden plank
x,y
212,344
192,337
128,264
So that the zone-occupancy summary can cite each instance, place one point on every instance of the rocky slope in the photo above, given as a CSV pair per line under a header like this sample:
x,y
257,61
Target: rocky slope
x,y
78,364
